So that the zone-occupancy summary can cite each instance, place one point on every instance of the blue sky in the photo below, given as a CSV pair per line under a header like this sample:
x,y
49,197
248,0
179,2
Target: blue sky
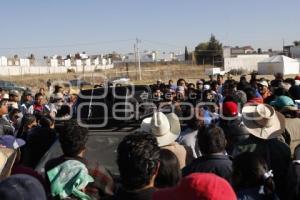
x,y
95,26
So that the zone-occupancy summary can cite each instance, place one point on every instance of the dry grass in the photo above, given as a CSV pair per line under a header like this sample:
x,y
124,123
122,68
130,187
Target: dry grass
x,y
149,75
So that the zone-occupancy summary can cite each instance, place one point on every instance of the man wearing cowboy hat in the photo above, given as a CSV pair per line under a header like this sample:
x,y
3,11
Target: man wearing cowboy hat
x,y
166,129
266,127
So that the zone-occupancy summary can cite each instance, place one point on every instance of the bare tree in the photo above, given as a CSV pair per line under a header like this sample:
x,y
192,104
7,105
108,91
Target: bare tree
x,y
297,43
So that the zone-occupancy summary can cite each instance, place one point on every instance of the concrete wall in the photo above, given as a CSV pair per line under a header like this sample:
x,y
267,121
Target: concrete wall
x,y
245,62
23,70
3,61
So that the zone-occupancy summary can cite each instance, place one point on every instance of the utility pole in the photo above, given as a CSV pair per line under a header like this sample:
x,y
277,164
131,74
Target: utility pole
x,y
135,61
139,58
283,50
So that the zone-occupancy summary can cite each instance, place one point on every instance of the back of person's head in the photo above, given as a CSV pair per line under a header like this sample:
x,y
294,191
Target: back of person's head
x,y
72,138
138,160
294,92
169,172
231,84
250,171
243,78
21,186
211,140
243,84
280,91
229,87
231,98
250,92
297,152
290,81
46,121
38,116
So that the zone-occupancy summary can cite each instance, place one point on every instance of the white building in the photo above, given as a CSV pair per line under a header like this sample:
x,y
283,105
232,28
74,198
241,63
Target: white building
x,y
24,62
244,62
88,62
278,64
229,51
53,62
3,61
67,63
78,62
153,56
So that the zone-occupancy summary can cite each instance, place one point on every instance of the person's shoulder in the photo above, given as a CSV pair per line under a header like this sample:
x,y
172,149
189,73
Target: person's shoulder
x,y
249,194
278,144
34,132
50,164
176,147
110,198
3,121
215,158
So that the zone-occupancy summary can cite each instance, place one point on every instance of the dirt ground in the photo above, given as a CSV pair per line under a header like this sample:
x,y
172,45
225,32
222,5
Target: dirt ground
x,y
149,74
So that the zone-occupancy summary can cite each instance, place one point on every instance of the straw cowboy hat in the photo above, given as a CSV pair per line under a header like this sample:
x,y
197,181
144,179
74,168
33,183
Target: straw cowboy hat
x,y
7,159
263,121
74,91
166,128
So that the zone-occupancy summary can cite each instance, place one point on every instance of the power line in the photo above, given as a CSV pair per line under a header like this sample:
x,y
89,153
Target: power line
x,y
161,43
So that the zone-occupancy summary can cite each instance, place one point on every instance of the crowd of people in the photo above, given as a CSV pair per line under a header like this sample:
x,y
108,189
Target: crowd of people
x,y
213,140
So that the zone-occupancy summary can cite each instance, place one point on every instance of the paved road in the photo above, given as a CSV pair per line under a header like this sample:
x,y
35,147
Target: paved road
x,y
101,148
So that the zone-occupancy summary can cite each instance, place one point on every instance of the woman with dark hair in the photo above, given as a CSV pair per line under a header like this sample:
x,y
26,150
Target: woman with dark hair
x,y
28,122
39,141
169,172
252,179
46,122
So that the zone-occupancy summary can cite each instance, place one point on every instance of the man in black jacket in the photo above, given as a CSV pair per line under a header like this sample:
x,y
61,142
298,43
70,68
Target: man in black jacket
x,y
212,144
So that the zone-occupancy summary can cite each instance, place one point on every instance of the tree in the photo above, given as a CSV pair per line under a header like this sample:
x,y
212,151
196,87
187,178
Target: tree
x,y
77,56
186,54
31,59
47,60
16,60
210,52
259,50
69,56
297,43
